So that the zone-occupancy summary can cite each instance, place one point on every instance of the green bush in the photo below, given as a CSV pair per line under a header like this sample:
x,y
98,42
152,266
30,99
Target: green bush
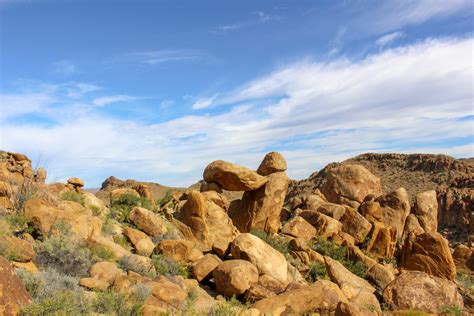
x,y
61,303
168,197
166,266
19,222
451,310
101,253
279,243
231,307
130,263
466,280
112,303
73,196
121,206
317,271
66,255
95,210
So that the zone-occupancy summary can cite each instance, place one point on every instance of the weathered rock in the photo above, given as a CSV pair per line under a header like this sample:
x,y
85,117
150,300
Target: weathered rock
x,y
45,216
93,202
148,221
41,175
233,177
355,225
179,250
203,268
273,162
419,291
260,209
463,257
105,271
16,249
412,225
234,277
426,209
115,194
430,253
94,284
5,189
207,223
210,186
108,244
383,241
322,297
351,309
218,199
165,294
395,209
325,226
75,182
335,211
371,210
13,295
298,227
267,260
346,183
28,266
142,243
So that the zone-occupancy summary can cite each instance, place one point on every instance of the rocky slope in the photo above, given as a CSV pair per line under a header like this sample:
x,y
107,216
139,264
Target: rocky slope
x,y
340,243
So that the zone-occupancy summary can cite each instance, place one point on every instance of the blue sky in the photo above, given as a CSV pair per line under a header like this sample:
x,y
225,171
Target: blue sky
x,y
155,90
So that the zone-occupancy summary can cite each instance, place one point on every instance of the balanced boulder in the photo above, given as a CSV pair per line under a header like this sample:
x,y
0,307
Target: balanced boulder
x,y
272,162
233,177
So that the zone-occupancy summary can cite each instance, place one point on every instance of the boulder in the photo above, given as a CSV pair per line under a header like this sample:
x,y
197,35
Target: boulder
x,y
28,266
430,253
40,175
45,216
203,268
16,249
115,194
206,222
412,225
355,225
416,290
335,211
93,202
13,295
351,309
233,177
179,250
345,183
165,294
5,189
463,257
426,209
105,271
108,244
267,260
94,284
142,243
321,297
298,227
148,221
75,182
325,226
272,162
218,199
210,186
395,209
383,241
260,209
234,277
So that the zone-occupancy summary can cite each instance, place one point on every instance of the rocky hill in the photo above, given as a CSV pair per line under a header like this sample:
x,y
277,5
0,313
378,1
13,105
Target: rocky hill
x,y
343,242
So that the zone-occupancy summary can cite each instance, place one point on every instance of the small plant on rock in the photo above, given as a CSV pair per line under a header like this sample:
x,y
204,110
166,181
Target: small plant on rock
x,y
73,196
166,266
279,243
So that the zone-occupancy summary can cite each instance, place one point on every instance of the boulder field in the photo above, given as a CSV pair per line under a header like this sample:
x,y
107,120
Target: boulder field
x,y
241,242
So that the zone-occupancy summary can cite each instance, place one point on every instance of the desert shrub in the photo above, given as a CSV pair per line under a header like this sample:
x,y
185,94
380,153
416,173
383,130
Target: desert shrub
x,y
95,210
34,283
171,233
28,189
19,222
451,310
73,196
5,229
163,201
230,307
166,266
113,303
466,280
101,253
122,241
121,206
67,255
279,243
61,303
317,271
107,225
339,253
130,263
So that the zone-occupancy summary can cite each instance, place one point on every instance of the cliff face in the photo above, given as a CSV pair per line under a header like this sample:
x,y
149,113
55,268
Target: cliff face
x,y
453,180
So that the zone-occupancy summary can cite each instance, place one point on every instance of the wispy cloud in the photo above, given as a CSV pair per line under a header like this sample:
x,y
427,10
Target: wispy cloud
x,y
313,112
106,100
258,17
64,67
389,38
203,103
157,57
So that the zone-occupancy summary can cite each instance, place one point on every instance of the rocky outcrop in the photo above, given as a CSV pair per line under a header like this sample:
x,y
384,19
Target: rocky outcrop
x,y
260,209
234,277
298,227
414,290
16,249
430,253
355,225
426,209
272,162
148,221
233,177
395,207
13,295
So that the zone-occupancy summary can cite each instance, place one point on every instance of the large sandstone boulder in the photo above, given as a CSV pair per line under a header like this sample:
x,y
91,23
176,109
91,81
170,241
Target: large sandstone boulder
x,y
463,257
260,209
233,177
202,269
325,225
142,243
272,162
395,207
382,241
298,227
148,221
234,277
75,182
16,249
355,225
412,225
267,260
179,250
426,209
430,253
414,290
105,271
207,223
346,183
46,216
13,295
322,297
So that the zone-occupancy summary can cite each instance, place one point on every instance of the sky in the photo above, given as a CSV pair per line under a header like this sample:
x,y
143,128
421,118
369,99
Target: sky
x,y
156,90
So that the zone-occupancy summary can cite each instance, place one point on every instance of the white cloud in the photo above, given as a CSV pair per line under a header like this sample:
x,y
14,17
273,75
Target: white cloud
x,y
64,67
12,105
204,103
157,57
389,38
258,17
106,100
313,112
